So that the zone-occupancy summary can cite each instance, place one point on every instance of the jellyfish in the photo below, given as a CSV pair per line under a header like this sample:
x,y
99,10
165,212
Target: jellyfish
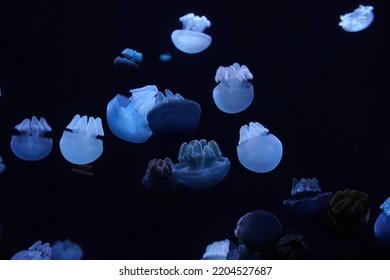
x,y
173,116
78,143
66,250
347,213
31,144
218,250
126,117
307,199
201,165
165,57
2,165
128,61
358,20
191,38
258,150
37,251
234,93
382,226
292,246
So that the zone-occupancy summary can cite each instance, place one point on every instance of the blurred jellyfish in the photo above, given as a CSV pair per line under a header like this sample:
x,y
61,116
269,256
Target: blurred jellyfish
x,y
218,250
2,165
173,116
358,20
78,143
66,250
31,144
292,246
37,251
165,57
307,199
382,226
234,93
347,213
191,39
258,230
128,61
201,164
258,150
126,117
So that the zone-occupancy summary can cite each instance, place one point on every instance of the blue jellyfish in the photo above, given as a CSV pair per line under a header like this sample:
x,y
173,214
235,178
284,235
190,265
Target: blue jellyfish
x,y
37,251
2,165
234,93
307,199
66,250
358,20
258,150
30,144
218,250
128,61
201,164
78,143
191,38
173,116
165,57
126,117
382,226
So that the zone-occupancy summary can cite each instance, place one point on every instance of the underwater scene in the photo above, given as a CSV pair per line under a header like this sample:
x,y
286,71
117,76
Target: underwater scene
x,y
137,130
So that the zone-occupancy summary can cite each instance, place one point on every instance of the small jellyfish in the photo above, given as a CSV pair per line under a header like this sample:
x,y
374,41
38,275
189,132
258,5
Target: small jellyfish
x,y
358,20
128,61
31,144
2,165
173,116
66,250
165,57
191,39
258,150
201,164
126,117
382,226
218,250
234,93
78,143
292,246
37,251
307,199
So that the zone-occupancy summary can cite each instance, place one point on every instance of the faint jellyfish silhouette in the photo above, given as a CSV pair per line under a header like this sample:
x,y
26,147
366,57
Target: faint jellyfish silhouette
x,y
78,143
292,246
31,143
128,60
218,250
2,165
66,250
191,39
234,93
258,150
307,199
126,117
358,20
382,226
347,213
37,251
201,165
173,116
165,57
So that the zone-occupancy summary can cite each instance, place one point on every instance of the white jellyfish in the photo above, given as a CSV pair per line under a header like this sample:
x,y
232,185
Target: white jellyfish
x,y
358,20
191,38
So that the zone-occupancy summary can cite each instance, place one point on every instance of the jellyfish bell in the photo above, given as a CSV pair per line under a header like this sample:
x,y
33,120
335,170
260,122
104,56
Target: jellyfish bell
x,y
382,226
31,144
79,143
358,20
128,61
234,93
191,38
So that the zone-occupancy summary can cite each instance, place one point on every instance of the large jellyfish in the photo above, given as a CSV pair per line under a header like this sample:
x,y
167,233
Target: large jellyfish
x,y
78,143
173,116
126,117
128,60
66,250
358,20
307,199
191,38
234,93
382,226
201,164
31,144
258,150
37,251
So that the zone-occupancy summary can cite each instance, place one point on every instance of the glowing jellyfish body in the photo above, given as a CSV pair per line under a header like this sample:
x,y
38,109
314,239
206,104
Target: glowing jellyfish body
x,y
126,117
78,143
173,116
165,57
30,144
358,20
191,38
37,251
258,150
2,165
234,93
128,60
217,250
307,199
201,164
66,250
382,226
